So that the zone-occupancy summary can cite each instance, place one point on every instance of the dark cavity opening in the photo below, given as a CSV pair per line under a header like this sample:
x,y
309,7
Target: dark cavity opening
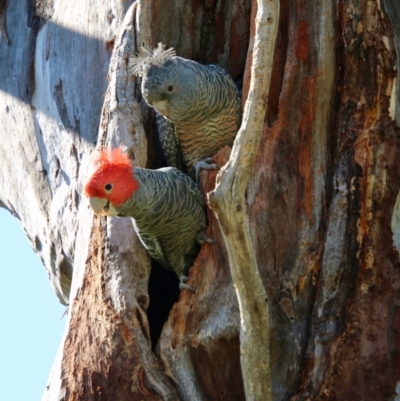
x,y
163,293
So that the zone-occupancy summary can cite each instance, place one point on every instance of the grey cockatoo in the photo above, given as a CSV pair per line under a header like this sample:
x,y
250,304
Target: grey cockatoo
x,y
165,205
198,105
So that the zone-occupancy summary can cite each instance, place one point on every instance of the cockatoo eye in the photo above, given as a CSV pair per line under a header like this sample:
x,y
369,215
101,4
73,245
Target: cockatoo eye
x,y
170,88
108,187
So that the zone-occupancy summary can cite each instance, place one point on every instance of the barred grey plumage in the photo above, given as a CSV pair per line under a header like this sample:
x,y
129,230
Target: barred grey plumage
x,y
165,205
200,103
169,142
168,216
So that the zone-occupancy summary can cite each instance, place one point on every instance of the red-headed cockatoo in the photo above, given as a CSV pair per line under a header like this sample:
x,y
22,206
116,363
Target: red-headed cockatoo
x,y
165,205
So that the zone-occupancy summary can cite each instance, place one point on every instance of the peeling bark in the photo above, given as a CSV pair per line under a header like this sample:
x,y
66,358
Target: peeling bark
x,y
321,197
228,203
199,346
108,316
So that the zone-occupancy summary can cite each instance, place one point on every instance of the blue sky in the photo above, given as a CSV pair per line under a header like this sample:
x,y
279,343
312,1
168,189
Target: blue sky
x,y
30,315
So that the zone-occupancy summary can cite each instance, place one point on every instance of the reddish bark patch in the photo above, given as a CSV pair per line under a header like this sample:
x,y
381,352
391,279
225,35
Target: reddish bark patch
x,y
302,39
305,188
110,45
101,359
213,348
239,39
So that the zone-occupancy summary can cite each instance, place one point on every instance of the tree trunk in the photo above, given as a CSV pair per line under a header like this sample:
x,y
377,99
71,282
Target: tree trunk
x,y
228,202
321,199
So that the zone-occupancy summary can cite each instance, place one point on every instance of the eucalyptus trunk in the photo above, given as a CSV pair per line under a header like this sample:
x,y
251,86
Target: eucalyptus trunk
x,y
320,206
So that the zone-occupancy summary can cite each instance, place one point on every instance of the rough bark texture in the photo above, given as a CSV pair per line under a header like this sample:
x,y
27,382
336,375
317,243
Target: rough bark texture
x,y
392,9
112,300
228,202
321,198
200,341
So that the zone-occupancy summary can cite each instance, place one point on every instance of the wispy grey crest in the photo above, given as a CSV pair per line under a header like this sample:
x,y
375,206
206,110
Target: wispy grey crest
x,y
141,63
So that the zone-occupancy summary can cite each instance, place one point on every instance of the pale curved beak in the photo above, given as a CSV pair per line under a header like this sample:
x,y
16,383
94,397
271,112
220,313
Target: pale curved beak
x,y
102,206
161,106
99,205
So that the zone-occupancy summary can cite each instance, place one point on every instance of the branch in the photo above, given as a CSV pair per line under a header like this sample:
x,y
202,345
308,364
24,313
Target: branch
x,y
228,203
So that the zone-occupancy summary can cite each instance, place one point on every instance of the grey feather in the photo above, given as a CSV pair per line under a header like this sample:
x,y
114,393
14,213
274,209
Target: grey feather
x,y
144,59
169,142
168,216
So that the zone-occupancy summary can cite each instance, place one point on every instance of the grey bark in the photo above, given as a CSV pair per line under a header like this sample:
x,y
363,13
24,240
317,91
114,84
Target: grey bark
x,y
320,198
125,265
51,100
50,114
